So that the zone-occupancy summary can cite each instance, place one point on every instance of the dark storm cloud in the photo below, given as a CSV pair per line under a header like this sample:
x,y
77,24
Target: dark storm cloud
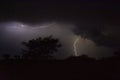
x,y
56,10
102,27
47,10
100,35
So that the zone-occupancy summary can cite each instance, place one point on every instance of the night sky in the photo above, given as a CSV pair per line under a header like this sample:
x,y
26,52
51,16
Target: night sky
x,y
94,23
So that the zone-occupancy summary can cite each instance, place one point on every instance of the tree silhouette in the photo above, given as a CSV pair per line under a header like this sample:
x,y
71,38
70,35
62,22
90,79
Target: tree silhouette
x,y
40,48
6,56
16,56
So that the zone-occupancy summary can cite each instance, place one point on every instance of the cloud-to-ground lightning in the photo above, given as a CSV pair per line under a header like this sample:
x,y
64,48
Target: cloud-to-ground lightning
x,y
75,48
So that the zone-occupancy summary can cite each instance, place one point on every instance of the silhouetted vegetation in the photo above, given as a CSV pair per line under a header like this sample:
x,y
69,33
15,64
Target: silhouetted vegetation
x,y
72,68
6,56
16,56
40,48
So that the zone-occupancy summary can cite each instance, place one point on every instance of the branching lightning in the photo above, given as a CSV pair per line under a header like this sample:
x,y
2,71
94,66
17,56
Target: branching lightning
x,y
75,48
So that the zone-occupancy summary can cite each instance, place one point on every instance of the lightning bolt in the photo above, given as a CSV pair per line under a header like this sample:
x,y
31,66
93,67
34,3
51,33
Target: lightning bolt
x,y
75,48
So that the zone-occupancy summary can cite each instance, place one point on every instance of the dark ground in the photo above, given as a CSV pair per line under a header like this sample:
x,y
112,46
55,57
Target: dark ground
x,y
79,68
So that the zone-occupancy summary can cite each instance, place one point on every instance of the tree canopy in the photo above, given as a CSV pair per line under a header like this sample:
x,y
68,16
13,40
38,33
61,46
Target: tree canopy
x,y
40,48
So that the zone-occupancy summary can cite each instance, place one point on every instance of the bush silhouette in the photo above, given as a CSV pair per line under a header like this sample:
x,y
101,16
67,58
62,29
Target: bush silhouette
x,y
6,56
16,56
40,48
